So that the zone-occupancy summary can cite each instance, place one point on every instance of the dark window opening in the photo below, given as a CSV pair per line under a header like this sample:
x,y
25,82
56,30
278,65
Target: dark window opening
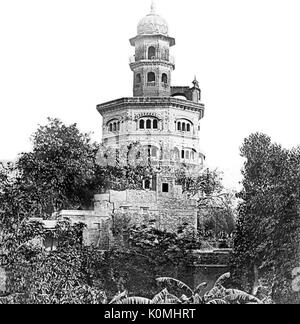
x,y
147,184
179,126
148,124
165,187
164,78
188,127
183,127
142,124
110,127
145,210
155,124
151,77
151,53
182,154
149,151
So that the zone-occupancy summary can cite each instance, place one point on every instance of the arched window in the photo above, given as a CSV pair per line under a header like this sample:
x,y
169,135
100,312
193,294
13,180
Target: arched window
x,y
151,53
110,127
138,78
164,78
184,125
193,155
115,127
155,124
142,124
187,155
182,154
151,77
118,126
148,124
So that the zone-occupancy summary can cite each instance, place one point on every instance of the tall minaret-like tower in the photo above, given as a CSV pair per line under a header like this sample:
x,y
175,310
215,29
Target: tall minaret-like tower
x,y
165,120
152,64
158,128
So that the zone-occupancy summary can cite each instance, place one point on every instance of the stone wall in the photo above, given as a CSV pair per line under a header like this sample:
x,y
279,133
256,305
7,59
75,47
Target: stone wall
x,y
174,212
98,225
170,210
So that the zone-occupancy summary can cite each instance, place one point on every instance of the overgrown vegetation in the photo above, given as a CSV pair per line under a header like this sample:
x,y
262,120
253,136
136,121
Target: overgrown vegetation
x,y
267,239
61,172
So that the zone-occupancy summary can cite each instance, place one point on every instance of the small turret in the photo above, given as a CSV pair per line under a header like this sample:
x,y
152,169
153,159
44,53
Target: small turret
x,y
196,92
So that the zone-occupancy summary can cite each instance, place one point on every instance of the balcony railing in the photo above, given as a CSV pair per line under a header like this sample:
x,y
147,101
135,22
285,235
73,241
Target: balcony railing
x,y
151,84
170,59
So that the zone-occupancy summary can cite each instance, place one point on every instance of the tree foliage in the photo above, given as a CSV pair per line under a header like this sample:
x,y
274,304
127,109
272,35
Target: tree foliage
x,y
60,169
216,205
267,236
149,253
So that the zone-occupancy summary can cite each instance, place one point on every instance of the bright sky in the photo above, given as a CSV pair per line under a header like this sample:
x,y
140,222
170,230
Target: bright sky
x,y
61,58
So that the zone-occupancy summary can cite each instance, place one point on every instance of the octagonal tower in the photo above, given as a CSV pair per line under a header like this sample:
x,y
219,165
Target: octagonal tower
x,y
165,120
167,126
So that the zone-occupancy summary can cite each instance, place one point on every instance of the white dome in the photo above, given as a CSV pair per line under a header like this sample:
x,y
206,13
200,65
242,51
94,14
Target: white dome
x,y
153,24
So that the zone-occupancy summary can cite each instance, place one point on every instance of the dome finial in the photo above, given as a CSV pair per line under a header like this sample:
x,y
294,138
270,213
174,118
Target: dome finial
x,y
153,7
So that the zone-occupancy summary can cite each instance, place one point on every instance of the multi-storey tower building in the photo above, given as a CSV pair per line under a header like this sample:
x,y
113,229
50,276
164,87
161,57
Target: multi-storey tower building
x,y
166,126
165,121
168,129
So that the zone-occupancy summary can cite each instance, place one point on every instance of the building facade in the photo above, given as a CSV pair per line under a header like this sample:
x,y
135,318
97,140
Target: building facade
x,y
155,117
165,120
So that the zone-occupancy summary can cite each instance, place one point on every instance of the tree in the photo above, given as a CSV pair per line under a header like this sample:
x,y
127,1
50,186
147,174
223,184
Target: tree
x,y
267,236
60,277
216,205
121,178
59,172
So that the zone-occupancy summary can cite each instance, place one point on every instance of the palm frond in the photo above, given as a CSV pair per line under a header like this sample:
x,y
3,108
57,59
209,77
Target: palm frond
x,y
235,295
197,300
119,297
184,299
217,302
222,279
164,297
200,287
217,292
173,281
135,301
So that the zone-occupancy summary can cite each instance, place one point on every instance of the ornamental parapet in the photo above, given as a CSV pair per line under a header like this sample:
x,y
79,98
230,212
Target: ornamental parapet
x,y
151,102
